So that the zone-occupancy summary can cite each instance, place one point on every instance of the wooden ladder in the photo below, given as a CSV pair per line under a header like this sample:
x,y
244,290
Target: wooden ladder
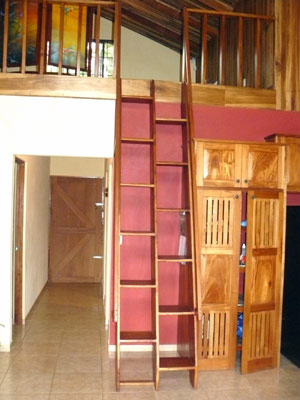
x,y
176,312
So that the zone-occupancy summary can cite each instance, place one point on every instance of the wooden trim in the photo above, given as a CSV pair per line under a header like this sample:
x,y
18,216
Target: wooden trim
x,y
24,36
61,38
230,14
20,179
97,38
5,36
78,63
117,42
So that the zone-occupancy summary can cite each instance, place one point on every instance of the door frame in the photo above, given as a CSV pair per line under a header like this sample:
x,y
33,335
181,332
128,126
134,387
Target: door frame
x,y
18,242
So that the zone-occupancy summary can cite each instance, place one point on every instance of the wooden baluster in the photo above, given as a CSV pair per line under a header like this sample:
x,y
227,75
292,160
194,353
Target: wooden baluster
x,y
222,50
24,36
204,49
79,41
258,53
43,38
5,36
117,42
240,53
61,38
97,39
187,74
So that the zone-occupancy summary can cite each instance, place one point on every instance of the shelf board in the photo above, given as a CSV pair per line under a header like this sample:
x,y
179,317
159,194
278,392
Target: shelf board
x,y
136,99
137,336
174,259
137,140
240,308
137,284
173,210
176,310
136,233
171,121
172,163
141,185
242,268
136,383
239,347
176,363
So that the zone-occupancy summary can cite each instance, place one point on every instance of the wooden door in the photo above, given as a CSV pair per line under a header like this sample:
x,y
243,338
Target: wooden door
x,y
219,227
263,166
263,282
218,164
75,230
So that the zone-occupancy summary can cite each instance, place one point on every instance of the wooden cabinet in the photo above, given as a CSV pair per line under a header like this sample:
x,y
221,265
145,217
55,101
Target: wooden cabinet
x,y
230,164
220,210
292,160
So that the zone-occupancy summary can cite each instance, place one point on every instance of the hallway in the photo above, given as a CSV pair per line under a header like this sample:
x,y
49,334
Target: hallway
x,y
61,354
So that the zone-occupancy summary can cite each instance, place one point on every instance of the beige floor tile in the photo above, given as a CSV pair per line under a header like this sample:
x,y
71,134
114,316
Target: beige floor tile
x,y
271,378
76,364
77,383
232,394
82,335
4,364
45,349
44,337
24,396
230,379
131,396
279,393
173,380
182,395
1,378
84,348
74,396
35,364
26,383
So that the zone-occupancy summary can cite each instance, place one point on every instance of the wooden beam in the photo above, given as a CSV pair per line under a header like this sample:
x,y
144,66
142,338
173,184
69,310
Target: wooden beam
x,y
204,50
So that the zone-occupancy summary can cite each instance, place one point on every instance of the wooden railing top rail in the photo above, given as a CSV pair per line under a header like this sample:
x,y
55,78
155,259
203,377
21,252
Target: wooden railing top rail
x,y
229,14
88,3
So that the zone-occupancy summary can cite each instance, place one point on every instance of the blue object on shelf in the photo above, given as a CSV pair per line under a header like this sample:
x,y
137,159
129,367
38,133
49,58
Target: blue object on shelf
x,y
244,222
239,331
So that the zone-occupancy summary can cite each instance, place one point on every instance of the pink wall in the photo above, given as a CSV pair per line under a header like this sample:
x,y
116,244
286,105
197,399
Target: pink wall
x,y
210,122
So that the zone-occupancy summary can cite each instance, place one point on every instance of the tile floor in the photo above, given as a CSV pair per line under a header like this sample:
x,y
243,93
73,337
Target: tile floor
x,y
61,354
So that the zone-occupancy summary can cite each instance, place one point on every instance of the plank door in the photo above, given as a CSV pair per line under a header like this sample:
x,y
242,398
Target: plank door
x,y
263,282
219,227
218,164
75,230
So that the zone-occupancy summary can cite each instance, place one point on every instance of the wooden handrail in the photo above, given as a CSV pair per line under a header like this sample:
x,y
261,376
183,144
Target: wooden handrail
x,y
229,14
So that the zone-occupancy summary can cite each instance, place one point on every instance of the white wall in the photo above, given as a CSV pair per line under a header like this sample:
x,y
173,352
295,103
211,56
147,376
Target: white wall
x,y
43,126
77,166
36,228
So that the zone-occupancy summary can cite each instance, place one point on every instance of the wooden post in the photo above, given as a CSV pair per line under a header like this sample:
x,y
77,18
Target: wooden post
x,y
5,36
61,38
43,38
117,42
24,37
240,53
79,41
222,50
258,53
97,39
204,49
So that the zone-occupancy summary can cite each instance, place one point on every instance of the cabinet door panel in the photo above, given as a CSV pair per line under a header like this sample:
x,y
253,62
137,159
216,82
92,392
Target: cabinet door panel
x,y
262,166
218,164
263,283
219,225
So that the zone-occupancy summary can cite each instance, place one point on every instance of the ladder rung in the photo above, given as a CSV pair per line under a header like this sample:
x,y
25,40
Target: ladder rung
x,y
137,284
137,140
174,259
173,210
171,120
137,336
142,185
136,99
176,363
176,310
173,163
137,233
136,383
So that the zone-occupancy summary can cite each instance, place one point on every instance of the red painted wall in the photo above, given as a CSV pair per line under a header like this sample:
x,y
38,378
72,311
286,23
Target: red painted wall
x,y
210,122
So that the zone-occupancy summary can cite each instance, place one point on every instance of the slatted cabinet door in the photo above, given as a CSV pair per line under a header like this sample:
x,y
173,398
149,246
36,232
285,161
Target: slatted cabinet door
x,y
263,286
219,227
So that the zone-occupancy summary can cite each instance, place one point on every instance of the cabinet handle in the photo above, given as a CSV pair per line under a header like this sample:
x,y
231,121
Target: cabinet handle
x,y
236,196
253,197
238,181
246,180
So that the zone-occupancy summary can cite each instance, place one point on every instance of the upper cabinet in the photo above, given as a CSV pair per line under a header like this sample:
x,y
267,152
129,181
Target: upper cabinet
x,y
239,164
292,161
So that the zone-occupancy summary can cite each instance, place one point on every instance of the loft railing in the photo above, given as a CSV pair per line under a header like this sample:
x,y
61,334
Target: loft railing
x,y
63,38
229,48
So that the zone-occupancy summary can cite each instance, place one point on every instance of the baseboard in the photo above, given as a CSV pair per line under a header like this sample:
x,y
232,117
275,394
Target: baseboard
x,y
143,347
